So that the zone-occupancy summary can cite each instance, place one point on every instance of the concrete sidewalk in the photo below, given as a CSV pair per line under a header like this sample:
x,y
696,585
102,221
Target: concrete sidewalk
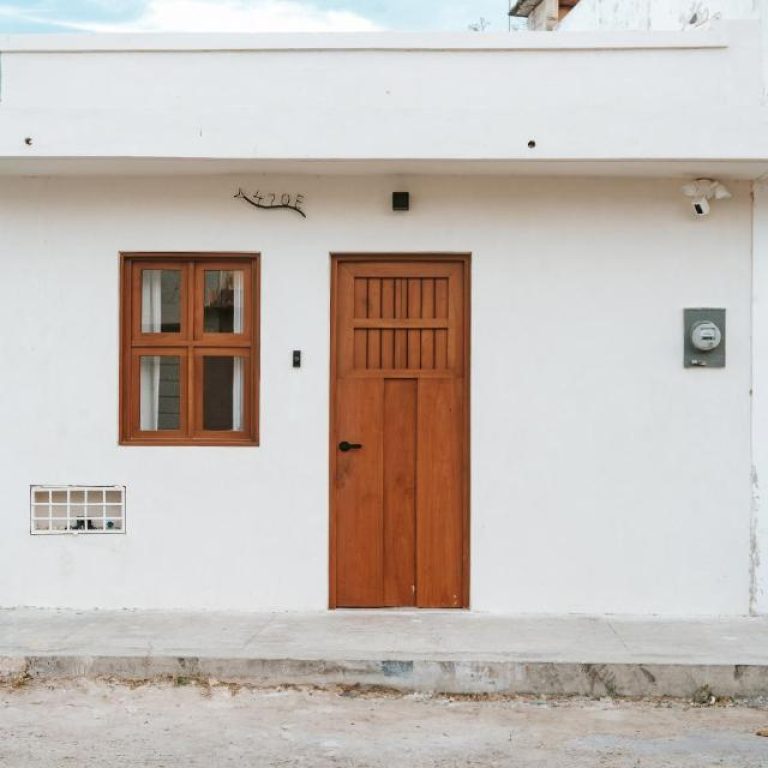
x,y
451,652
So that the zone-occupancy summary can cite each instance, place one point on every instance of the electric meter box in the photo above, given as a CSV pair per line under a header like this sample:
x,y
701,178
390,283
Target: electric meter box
x,y
704,338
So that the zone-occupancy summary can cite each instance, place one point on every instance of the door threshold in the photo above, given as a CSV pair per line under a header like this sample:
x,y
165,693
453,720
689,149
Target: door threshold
x,y
402,609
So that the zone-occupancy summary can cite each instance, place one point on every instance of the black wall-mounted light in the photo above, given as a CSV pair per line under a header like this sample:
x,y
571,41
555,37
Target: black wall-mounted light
x,y
401,201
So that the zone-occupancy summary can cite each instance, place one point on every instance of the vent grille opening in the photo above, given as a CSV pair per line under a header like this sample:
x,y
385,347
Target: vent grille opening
x,y
77,509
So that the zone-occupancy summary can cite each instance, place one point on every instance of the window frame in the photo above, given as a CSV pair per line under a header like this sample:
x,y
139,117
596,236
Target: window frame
x,y
191,344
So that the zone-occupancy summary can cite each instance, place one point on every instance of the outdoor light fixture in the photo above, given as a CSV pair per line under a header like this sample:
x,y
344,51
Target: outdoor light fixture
x,y
701,192
401,201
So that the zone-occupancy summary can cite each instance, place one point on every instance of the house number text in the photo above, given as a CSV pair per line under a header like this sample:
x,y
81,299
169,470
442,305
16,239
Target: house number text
x,y
271,201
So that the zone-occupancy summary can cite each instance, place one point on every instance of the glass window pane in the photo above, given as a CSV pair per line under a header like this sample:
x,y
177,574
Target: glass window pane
x,y
223,384
223,297
161,301
160,399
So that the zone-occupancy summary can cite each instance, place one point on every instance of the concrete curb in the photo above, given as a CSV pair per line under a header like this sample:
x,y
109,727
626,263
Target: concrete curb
x,y
419,675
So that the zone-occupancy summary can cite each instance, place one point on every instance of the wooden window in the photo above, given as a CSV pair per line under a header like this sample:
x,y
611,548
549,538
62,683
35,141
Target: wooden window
x,y
190,349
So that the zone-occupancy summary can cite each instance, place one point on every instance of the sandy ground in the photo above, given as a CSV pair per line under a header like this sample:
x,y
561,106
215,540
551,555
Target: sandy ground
x,y
101,724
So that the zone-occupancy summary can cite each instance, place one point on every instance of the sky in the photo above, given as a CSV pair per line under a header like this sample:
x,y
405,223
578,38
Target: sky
x,y
46,16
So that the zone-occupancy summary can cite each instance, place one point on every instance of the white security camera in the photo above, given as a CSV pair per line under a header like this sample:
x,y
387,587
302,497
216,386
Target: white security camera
x,y
700,206
701,192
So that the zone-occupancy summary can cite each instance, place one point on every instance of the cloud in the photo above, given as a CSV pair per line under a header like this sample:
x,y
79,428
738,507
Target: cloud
x,y
219,16
16,12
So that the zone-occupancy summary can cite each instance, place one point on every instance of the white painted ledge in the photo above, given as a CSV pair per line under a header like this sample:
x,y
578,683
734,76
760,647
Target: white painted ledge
x,y
717,37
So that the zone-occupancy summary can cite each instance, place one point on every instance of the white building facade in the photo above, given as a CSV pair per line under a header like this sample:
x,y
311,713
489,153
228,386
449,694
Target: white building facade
x,y
561,457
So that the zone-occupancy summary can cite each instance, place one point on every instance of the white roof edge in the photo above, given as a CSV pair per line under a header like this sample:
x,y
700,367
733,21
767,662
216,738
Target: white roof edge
x,y
246,171
715,37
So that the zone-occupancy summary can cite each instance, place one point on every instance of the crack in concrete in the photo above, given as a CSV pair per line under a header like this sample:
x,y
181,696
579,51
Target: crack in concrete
x,y
618,636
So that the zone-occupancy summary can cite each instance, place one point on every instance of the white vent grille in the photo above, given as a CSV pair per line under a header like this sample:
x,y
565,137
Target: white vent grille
x,y
77,509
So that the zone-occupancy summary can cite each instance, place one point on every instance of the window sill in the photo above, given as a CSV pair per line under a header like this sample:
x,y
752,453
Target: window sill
x,y
186,443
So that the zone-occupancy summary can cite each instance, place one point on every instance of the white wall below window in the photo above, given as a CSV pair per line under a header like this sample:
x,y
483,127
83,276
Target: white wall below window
x,y
605,477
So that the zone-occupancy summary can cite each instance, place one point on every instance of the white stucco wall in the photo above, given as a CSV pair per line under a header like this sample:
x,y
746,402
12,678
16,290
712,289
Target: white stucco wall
x,y
759,539
605,477
579,96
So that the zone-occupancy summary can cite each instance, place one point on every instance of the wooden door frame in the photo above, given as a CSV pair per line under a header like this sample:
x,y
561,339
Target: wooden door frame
x,y
465,259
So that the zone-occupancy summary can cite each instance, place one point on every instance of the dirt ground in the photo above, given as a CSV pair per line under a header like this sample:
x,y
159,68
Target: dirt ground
x,y
165,725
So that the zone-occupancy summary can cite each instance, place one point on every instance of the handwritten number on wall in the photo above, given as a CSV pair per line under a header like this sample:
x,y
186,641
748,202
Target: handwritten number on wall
x,y
287,202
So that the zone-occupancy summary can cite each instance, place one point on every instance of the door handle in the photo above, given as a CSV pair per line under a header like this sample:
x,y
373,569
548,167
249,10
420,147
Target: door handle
x,y
344,446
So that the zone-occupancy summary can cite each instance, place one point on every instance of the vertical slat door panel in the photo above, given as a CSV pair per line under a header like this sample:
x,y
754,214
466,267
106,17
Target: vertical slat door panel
x,y
441,336
455,319
358,489
361,311
399,503
401,337
414,312
428,313
399,488
374,311
440,502
344,329
387,313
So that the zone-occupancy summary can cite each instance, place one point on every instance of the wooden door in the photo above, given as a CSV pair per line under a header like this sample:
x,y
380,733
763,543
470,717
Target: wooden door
x,y
399,432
